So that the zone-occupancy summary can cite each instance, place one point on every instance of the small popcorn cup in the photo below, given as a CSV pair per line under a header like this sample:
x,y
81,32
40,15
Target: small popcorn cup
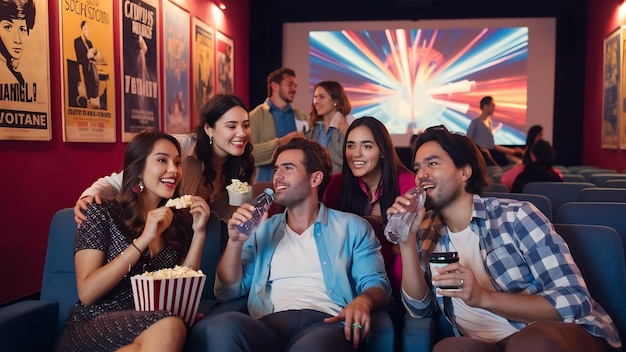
x,y
237,199
180,296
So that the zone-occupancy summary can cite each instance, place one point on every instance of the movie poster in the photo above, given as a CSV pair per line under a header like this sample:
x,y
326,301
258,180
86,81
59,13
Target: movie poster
x,y
88,71
176,61
140,78
24,71
225,63
203,67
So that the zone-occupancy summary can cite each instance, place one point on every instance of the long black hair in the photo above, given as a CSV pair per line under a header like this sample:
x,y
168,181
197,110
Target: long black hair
x,y
135,155
533,132
353,200
239,167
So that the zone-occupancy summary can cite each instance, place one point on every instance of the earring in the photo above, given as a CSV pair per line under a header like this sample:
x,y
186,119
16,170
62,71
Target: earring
x,y
335,104
210,140
138,188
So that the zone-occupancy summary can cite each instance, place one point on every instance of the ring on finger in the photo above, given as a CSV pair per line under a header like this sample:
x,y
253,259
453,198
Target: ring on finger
x,y
357,325
461,283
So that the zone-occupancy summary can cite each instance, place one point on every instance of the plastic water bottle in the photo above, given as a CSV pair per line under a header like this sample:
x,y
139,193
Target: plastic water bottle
x,y
261,203
398,223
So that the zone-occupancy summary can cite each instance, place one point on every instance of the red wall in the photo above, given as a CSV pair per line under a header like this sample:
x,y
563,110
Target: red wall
x,y
604,16
39,178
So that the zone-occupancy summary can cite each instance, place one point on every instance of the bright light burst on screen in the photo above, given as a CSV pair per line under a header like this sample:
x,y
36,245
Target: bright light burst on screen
x,y
415,78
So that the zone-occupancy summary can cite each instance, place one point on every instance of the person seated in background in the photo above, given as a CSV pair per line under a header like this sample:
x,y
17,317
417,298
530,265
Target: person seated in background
x,y
481,131
371,179
312,275
217,151
515,286
125,237
330,118
540,168
535,133
274,122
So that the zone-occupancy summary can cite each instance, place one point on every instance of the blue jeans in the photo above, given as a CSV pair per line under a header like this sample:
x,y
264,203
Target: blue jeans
x,y
291,330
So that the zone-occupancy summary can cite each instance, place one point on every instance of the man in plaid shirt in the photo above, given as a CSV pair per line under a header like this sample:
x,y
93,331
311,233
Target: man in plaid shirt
x,y
516,285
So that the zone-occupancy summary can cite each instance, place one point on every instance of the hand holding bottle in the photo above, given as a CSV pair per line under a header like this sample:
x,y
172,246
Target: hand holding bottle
x,y
399,223
245,221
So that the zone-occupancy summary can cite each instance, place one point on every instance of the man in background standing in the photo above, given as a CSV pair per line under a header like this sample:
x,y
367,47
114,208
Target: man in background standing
x,y
275,121
481,131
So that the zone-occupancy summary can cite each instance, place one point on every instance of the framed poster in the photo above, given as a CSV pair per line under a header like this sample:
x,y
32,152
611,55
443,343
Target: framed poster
x,y
25,71
88,71
611,89
225,63
176,29
203,63
622,116
140,67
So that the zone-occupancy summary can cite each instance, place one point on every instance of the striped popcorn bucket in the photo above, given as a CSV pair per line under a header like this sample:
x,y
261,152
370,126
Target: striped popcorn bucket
x,y
180,296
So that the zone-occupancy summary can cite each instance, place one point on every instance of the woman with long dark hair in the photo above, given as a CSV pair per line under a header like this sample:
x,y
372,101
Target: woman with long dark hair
x,y
127,236
534,135
216,151
371,179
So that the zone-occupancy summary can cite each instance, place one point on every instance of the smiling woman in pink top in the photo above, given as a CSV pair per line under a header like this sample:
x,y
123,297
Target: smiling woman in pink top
x,y
371,179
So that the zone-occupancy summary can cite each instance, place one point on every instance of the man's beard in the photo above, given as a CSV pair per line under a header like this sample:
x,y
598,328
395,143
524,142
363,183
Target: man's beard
x,y
443,202
286,98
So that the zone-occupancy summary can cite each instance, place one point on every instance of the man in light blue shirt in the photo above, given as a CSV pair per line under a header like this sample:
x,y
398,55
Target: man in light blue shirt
x,y
312,275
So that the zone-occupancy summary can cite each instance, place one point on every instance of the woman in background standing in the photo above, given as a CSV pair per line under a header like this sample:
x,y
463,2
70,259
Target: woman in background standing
x,y
330,119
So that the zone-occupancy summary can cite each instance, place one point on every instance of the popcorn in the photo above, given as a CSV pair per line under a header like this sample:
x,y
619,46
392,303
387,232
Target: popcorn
x,y
180,202
238,186
171,273
177,290
239,192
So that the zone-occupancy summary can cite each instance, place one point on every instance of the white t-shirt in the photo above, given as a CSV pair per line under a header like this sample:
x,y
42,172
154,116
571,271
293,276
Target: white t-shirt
x,y
296,275
471,321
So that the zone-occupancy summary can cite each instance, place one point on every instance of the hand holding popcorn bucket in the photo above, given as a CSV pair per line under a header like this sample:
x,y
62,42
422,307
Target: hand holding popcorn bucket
x,y
176,290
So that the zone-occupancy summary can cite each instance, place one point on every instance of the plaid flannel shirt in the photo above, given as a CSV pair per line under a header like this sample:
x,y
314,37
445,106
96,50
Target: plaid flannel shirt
x,y
522,254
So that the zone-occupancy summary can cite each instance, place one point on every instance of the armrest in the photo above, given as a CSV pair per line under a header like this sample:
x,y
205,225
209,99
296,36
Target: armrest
x,y
28,325
418,334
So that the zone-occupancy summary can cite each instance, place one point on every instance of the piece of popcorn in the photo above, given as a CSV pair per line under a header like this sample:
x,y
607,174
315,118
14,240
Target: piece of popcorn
x,y
180,202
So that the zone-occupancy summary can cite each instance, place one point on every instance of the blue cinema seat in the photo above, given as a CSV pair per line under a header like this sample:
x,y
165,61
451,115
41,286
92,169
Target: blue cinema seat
x,y
559,193
604,278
